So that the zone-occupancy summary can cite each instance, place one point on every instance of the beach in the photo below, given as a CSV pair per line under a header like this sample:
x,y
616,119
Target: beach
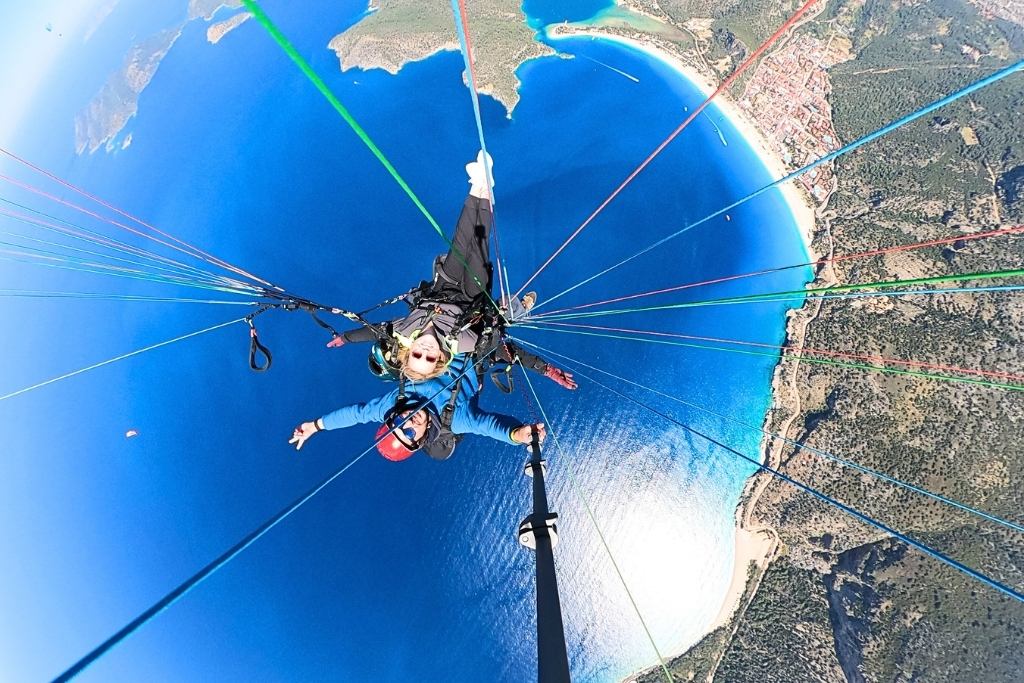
x,y
755,546
752,545
798,202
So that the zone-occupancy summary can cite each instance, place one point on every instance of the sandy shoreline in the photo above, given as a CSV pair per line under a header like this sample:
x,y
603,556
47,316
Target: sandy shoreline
x,y
799,206
751,545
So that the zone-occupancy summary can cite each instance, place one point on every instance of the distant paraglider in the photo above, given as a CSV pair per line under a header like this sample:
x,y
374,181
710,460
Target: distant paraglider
x,y
130,433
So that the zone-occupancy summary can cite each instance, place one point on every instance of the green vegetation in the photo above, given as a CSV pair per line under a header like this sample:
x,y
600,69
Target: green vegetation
x,y
844,602
402,31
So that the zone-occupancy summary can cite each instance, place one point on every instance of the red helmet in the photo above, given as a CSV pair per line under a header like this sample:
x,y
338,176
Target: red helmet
x,y
390,446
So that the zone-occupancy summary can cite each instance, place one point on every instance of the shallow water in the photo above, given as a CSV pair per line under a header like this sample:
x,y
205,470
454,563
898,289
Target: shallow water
x,y
395,572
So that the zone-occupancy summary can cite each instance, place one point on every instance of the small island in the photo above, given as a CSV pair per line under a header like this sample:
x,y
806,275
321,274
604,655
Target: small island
x,y
217,31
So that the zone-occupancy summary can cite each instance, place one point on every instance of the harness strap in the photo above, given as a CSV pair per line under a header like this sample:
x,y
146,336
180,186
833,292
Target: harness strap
x,y
322,323
505,385
448,414
255,347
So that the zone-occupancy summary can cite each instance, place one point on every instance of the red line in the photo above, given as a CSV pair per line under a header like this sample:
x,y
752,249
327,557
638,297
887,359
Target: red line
x,y
835,259
469,46
797,352
672,136
180,269
487,170
196,252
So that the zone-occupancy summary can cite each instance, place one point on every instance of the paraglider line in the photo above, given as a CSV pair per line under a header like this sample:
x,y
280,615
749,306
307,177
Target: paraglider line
x,y
835,259
191,250
927,550
176,275
38,294
462,28
82,266
84,234
913,116
803,350
797,358
798,444
672,136
578,491
818,292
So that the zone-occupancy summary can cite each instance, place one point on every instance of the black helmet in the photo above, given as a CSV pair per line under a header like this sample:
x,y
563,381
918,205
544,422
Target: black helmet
x,y
381,364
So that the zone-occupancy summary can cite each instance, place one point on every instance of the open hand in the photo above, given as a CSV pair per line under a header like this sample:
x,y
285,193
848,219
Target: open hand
x,y
301,433
336,343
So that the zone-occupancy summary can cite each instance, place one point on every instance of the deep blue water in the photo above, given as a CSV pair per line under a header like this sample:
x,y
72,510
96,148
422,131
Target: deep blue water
x,y
543,12
394,573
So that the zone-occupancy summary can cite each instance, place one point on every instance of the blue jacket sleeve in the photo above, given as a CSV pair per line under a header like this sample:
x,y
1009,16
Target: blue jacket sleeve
x,y
373,410
469,418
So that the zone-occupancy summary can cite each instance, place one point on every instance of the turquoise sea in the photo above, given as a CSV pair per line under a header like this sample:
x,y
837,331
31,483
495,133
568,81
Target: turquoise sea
x,y
395,572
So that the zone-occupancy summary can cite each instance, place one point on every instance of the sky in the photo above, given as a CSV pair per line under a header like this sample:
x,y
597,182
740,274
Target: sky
x,y
38,50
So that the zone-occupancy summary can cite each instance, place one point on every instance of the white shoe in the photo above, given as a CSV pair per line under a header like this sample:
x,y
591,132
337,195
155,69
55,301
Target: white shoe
x,y
478,177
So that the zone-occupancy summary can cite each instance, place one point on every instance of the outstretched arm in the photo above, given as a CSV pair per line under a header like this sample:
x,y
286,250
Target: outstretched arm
x,y
511,352
358,413
357,336
469,418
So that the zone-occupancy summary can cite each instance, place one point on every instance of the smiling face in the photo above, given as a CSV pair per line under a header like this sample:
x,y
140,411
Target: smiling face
x,y
412,430
424,355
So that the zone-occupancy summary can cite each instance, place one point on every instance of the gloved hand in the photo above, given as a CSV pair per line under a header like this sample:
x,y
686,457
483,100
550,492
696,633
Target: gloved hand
x,y
560,377
478,177
336,343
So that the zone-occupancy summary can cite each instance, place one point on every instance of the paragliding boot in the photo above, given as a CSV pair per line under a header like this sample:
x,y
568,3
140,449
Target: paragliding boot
x,y
465,271
480,176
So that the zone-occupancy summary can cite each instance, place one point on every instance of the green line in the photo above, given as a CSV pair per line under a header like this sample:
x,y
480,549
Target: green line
x,y
773,296
286,45
315,79
798,358
578,490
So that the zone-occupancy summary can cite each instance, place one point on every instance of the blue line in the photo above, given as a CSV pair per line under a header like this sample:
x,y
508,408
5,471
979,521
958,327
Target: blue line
x,y
464,42
989,80
229,555
945,559
798,444
766,299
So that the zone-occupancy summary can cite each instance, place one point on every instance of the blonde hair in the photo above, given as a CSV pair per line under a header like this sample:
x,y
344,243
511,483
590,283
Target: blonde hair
x,y
402,357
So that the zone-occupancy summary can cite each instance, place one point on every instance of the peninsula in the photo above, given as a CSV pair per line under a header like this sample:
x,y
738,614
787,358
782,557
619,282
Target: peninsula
x,y
396,32
117,102
818,595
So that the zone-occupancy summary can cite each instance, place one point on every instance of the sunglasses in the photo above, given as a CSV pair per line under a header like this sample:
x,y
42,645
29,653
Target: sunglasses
x,y
420,355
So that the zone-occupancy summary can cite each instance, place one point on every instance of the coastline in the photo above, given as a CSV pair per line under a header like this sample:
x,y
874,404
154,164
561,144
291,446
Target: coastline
x,y
799,205
752,544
